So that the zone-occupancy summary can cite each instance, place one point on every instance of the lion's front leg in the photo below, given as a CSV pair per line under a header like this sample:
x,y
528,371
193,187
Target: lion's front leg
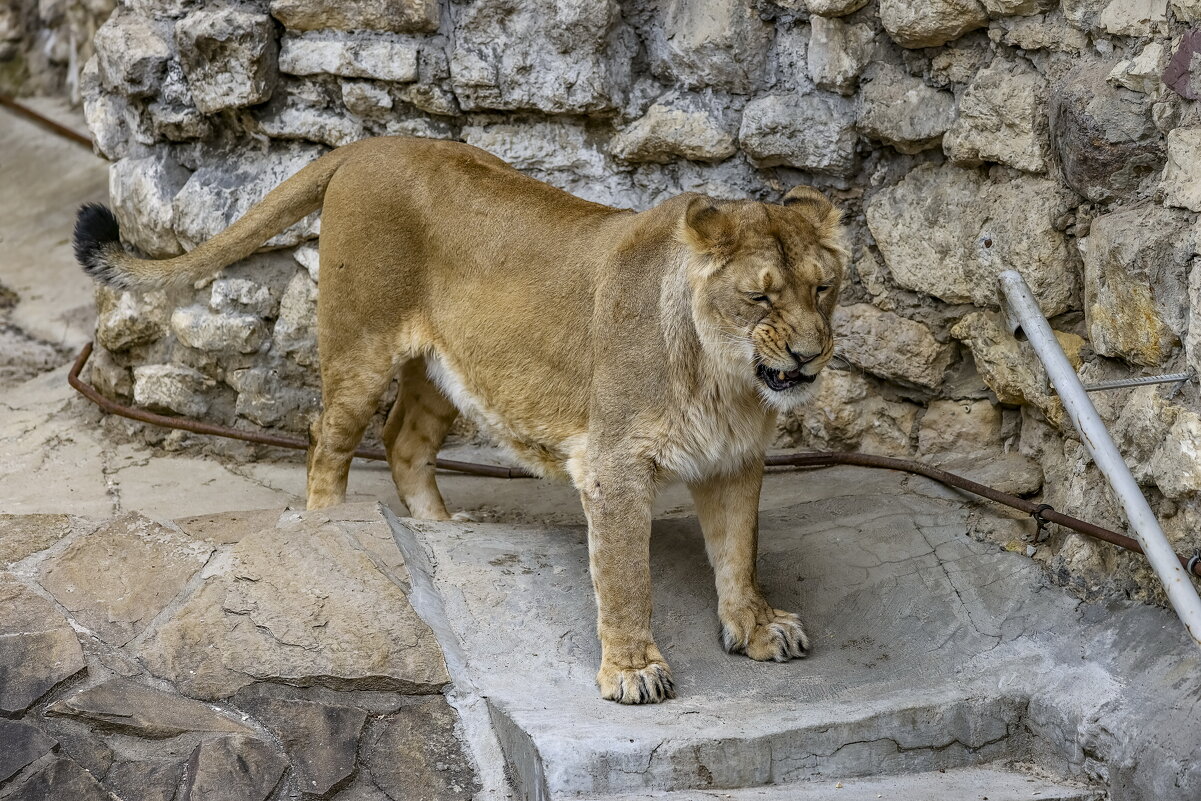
x,y
728,508
618,508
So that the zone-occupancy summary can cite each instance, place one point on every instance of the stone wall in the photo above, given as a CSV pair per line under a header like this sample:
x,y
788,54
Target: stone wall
x,y
961,136
45,43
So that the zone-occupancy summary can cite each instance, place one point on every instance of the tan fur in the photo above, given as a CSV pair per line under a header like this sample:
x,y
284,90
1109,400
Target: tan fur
x,y
614,348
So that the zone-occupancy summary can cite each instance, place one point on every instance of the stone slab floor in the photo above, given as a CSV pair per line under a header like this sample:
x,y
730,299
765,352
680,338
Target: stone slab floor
x,y
160,641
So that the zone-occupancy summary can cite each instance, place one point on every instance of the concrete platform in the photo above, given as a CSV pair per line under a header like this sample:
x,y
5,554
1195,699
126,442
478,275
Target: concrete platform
x,y
931,652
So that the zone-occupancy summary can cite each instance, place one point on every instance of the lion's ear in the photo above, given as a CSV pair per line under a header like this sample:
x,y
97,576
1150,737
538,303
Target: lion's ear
x,y
814,205
707,229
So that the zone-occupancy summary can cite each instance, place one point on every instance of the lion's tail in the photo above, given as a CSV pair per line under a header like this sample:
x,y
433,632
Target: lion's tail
x,y
98,247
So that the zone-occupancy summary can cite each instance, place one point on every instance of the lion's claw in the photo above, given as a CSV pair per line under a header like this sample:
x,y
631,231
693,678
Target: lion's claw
x,y
648,685
774,635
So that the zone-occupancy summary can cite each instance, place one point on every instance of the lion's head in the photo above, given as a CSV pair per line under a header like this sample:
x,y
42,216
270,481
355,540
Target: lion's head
x,y
765,279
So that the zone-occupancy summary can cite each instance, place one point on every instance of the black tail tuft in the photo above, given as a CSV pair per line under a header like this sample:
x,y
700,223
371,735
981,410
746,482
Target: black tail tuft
x,y
96,236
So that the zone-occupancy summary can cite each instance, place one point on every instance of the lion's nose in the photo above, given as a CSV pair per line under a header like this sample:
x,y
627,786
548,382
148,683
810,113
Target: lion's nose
x,y
803,358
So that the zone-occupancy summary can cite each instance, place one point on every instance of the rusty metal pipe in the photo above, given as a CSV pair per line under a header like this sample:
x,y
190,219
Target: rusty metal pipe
x,y
62,130
1039,511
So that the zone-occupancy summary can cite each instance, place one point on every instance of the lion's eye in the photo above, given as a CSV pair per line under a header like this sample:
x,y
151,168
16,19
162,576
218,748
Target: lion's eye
x,y
753,298
823,288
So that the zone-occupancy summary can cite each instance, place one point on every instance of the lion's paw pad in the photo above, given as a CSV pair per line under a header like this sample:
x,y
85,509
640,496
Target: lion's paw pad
x,y
649,685
777,638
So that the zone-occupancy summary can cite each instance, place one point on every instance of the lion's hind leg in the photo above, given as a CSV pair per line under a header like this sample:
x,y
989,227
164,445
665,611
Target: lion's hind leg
x,y
416,427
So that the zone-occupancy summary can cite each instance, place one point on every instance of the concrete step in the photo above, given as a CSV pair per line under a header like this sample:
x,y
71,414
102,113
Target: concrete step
x,y
991,782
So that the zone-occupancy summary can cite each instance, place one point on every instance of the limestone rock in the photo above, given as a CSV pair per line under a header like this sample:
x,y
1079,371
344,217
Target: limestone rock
x,y
60,779
1002,119
233,768
171,388
1009,371
1192,340
958,63
902,111
142,190
309,257
1106,142
1181,181
267,400
1136,265
321,740
23,535
941,232
417,748
1142,429
1009,8
131,708
126,319
556,56
228,56
1049,31
929,23
848,414
301,604
220,192
666,132
397,16
834,8
241,296
295,332
131,54
118,577
173,113
811,132
145,780
1176,466
838,52
366,99
720,44
1142,72
378,56
289,120
959,427
106,113
1186,10
1083,14
38,650
888,345
1134,17
20,744
199,328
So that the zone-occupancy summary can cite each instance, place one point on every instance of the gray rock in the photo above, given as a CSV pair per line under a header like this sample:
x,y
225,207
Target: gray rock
x,y
847,413
321,740
131,708
1142,72
1002,118
930,23
267,400
417,756
1009,8
221,191
366,99
300,604
291,120
106,114
1175,466
232,768
834,8
60,779
309,257
118,577
941,232
838,52
38,648
142,191
1181,180
959,427
380,56
720,44
890,346
171,388
23,535
1186,10
1144,18
1105,140
557,56
1049,31
126,319
200,328
902,111
295,332
228,56
1136,267
241,296
396,16
21,744
131,54
813,132
668,131
145,780
173,113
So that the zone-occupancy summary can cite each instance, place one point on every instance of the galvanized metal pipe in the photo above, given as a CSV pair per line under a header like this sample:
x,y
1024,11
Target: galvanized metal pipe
x,y
1025,315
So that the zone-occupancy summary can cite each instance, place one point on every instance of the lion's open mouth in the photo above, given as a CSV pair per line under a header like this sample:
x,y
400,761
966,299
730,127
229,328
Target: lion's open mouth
x,y
780,380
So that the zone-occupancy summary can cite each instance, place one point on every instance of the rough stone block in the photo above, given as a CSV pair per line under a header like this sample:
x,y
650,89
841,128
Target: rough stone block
x,y
241,296
295,332
1142,72
811,132
671,129
943,233
38,651
1186,10
1002,118
126,319
930,23
1049,31
834,8
131,54
171,388
142,191
61,778
396,16
720,44
118,577
378,56
417,747
959,427
838,52
900,110
1134,17
1009,8
1181,181
233,768
131,708
200,328
848,414
21,744
173,113
228,56
890,346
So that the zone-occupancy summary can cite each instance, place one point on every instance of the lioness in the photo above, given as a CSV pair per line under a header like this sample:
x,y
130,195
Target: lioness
x,y
618,349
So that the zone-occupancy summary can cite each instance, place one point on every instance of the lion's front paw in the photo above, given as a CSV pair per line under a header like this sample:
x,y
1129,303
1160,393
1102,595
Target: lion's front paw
x,y
646,685
464,517
765,634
